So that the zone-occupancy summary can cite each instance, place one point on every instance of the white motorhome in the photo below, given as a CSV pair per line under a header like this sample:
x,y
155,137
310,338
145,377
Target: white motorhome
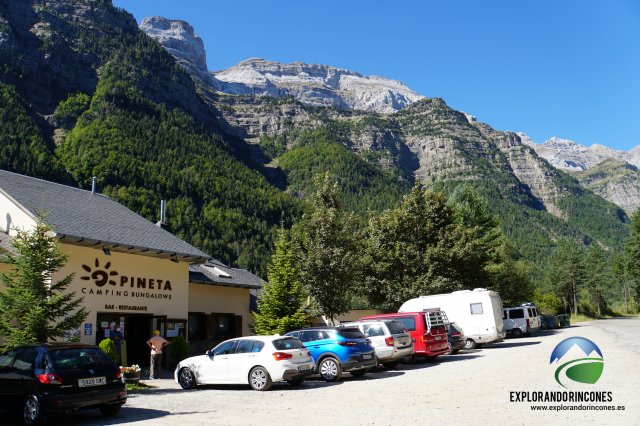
x,y
477,311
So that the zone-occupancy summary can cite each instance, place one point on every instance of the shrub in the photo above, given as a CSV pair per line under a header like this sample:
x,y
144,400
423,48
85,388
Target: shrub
x,y
109,348
178,349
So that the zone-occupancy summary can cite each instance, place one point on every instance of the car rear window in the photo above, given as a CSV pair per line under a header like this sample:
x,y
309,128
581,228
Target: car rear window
x,y
350,333
71,358
516,313
409,322
395,327
288,343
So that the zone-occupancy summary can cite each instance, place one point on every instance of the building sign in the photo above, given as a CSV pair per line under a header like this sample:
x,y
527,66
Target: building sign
x,y
88,329
109,282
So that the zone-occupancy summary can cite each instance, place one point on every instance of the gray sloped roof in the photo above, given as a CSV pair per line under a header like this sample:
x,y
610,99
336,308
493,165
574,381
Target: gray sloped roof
x,y
215,272
91,219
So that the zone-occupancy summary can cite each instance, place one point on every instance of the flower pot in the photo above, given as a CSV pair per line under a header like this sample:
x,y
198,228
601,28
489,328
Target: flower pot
x,y
131,377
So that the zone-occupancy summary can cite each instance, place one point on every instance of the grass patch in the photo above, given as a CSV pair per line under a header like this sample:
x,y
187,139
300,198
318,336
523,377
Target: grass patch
x,y
580,318
138,387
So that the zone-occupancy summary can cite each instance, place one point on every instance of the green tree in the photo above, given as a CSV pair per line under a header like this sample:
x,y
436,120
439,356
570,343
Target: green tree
x,y
328,251
281,307
597,277
626,284
565,273
510,276
632,248
418,249
34,308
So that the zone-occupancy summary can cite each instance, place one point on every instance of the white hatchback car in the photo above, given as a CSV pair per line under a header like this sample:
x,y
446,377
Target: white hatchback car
x,y
389,338
256,360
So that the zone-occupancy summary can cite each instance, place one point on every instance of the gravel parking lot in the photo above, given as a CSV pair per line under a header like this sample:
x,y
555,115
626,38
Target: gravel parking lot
x,y
469,388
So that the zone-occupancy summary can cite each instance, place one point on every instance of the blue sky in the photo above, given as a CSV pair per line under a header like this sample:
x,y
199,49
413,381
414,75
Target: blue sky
x,y
566,68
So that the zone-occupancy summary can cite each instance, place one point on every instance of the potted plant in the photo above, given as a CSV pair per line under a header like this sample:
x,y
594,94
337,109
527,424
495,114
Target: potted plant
x,y
131,374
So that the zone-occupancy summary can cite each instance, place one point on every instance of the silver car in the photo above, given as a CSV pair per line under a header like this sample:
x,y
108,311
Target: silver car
x,y
389,338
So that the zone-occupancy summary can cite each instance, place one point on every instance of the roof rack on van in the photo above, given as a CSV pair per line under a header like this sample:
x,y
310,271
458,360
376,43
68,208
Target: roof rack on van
x,y
436,317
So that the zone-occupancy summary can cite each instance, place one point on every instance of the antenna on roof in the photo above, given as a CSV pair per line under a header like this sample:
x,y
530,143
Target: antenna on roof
x,y
93,185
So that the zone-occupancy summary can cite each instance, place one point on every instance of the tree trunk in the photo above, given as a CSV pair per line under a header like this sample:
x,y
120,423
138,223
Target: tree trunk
x,y
575,298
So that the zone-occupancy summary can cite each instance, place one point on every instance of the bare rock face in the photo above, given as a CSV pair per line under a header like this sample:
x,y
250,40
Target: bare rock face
x,y
317,85
610,173
615,181
568,155
179,39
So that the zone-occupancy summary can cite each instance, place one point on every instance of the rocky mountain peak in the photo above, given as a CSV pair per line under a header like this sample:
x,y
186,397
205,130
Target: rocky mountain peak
x,y
311,84
179,39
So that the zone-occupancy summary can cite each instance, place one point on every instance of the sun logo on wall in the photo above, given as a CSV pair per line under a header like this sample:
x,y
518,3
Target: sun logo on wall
x,y
100,276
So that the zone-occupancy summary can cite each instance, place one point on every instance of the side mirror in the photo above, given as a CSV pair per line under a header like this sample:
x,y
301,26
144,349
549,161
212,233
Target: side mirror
x,y
209,353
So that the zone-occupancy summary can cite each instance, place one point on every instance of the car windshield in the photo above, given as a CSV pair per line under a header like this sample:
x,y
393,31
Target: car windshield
x,y
396,327
287,343
71,358
350,333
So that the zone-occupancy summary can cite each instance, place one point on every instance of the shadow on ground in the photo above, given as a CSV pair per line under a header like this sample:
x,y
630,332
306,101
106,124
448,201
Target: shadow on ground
x,y
511,344
93,417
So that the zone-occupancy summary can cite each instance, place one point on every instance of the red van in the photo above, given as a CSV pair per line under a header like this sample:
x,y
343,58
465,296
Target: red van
x,y
428,330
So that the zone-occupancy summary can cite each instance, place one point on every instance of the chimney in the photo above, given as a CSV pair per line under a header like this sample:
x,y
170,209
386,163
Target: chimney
x,y
93,185
162,223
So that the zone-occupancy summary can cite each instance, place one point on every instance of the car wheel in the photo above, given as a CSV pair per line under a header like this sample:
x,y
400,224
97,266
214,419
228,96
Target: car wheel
x,y
296,382
186,379
391,364
449,349
359,373
516,333
32,411
259,379
470,344
330,369
110,410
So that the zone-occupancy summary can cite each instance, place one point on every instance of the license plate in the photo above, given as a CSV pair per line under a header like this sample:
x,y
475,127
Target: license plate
x,y
366,356
438,337
92,381
303,367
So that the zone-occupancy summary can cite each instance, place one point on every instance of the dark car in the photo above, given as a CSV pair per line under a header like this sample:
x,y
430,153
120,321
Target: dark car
x,y
549,322
40,379
338,349
456,339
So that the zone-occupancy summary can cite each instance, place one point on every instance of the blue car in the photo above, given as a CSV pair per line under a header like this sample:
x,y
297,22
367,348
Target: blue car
x,y
338,349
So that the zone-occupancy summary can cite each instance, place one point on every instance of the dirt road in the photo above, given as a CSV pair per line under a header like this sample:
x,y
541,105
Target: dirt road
x,y
473,387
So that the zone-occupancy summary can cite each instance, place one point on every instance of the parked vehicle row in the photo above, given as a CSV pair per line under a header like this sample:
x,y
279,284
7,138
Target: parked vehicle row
x,y
477,311
390,339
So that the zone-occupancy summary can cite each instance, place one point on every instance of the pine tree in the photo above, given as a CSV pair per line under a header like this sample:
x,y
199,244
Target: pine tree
x,y
597,277
565,273
418,249
329,252
33,308
281,307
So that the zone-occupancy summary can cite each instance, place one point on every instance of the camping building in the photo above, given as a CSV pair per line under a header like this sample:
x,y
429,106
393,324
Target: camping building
x,y
129,271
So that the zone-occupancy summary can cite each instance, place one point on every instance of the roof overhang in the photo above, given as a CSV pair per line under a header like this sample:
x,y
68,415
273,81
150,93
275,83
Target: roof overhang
x,y
131,249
